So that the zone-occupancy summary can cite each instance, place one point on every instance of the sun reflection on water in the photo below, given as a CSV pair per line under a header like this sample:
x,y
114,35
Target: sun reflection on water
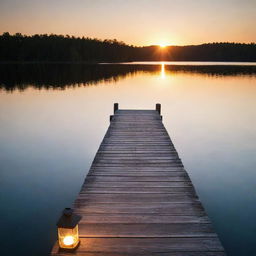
x,y
163,75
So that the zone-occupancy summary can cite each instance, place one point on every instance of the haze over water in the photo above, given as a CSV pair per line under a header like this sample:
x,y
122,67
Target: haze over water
x,y
53,118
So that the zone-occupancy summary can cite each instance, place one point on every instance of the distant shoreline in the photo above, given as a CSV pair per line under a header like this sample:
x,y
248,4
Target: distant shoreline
x,y
20,48
153,62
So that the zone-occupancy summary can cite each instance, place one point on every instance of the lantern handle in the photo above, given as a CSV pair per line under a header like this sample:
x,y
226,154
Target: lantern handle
x,y
67,212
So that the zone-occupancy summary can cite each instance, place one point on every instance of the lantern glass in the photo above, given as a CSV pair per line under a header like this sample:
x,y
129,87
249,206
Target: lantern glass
x,y
68,237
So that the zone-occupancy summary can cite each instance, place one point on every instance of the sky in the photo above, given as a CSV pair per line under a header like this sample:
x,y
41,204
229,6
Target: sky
x,y
137,22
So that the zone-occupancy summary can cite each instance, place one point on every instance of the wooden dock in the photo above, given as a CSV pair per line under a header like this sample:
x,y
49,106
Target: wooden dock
x,y
137,199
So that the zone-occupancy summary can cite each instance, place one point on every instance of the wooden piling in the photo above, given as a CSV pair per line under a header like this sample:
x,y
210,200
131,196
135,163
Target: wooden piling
x,y
158,108
115,107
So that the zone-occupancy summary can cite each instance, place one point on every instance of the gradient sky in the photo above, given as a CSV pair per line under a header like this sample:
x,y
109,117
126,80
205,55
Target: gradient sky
x,y
138,22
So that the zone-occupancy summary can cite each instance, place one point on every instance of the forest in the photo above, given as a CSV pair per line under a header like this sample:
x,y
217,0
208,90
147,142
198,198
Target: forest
x,y
59,48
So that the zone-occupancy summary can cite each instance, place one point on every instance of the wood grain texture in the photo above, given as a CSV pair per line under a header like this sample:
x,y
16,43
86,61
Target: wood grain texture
x,y
137,198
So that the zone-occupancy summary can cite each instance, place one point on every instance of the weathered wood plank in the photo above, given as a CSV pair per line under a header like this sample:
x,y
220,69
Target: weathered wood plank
x,y
116,178
146,230
83,253
135,246
135,198
153,208
142,218
139,168
139,190
167,175
119,184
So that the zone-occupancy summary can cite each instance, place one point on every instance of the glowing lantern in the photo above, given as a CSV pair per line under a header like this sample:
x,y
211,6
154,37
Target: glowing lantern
x,y
68,229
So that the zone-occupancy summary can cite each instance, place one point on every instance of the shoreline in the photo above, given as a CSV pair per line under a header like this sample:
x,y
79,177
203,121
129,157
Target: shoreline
x,y
152,62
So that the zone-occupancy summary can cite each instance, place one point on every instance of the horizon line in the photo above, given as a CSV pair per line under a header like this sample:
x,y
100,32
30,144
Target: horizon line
x,y
120,41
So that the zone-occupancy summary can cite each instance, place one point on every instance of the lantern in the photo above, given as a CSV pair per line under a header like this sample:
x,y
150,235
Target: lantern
x,y
68,229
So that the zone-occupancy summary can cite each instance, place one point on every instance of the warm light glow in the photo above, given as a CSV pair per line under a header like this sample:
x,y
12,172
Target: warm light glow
x,y
68,240
162,45
163,70
68,237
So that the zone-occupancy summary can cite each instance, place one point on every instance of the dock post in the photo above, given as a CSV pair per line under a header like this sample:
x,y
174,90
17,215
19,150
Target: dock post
x,y
115,107
158,108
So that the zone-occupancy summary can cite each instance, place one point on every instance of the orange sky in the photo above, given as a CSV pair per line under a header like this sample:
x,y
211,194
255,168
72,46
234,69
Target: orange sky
x,y
138,22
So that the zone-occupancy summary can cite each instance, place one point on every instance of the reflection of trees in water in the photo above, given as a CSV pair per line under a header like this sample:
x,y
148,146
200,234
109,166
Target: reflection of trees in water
x,y
61,76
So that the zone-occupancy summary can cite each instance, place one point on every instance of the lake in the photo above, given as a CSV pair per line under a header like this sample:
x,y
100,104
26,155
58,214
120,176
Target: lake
x,y
54,116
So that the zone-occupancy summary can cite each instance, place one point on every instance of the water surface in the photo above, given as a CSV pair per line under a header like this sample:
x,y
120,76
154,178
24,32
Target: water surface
x,y
53,118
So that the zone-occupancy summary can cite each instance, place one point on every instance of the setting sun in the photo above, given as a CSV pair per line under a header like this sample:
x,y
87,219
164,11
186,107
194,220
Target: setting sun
x,y
162,45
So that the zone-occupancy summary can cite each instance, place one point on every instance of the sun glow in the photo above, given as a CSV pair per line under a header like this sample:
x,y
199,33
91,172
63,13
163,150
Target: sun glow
x,y
162,45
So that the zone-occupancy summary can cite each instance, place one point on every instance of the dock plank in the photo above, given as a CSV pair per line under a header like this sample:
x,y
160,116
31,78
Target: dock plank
x,y
146,246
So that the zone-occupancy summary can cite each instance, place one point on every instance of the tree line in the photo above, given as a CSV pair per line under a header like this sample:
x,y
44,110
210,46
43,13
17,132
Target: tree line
x,y
59,48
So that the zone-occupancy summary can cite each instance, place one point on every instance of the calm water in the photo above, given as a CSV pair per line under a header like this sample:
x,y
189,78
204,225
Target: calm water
x,y
53,118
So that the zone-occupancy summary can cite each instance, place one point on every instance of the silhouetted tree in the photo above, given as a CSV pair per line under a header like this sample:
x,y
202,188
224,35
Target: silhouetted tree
x,y
67,48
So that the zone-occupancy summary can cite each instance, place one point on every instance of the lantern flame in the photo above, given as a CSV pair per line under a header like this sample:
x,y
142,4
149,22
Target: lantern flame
x,y
68,240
